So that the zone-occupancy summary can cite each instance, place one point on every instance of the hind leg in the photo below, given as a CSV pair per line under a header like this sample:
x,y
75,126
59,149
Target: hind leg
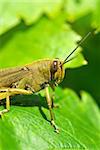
x,y
6,93
7,105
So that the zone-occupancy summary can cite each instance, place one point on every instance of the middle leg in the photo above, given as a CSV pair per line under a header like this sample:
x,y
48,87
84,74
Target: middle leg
x,y
49,102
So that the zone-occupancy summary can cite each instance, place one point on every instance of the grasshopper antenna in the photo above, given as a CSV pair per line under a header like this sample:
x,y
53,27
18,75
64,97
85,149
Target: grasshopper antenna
x,y
81,41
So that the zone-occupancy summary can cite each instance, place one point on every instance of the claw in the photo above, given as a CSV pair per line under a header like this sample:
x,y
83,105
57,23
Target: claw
x,y
55,106
2,112
55,126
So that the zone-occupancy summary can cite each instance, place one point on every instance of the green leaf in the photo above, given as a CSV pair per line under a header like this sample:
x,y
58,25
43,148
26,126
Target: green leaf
x,y
81,8
96,18
45,39
11,12
26,125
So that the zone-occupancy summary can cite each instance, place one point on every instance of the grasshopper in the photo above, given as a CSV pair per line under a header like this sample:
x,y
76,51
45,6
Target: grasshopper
x,y
33,78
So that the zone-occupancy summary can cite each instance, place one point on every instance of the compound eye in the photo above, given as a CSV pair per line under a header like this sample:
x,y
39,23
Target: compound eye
x,y
53,69
54,66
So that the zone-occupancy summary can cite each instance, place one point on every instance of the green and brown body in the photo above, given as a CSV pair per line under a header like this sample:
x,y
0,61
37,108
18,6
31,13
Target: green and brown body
x,y
31,79
35,76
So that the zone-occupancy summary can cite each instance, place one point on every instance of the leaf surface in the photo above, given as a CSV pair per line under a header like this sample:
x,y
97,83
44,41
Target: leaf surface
x,y
27,127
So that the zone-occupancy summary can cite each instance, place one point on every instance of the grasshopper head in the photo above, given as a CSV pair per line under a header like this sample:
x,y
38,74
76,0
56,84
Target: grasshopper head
x,y
57,71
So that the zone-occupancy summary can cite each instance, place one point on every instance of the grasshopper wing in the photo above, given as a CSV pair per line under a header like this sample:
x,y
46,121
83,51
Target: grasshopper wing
x,y
12,75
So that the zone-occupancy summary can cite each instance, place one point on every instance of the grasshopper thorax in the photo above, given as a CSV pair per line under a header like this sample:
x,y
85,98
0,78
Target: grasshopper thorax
x,y
57,71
